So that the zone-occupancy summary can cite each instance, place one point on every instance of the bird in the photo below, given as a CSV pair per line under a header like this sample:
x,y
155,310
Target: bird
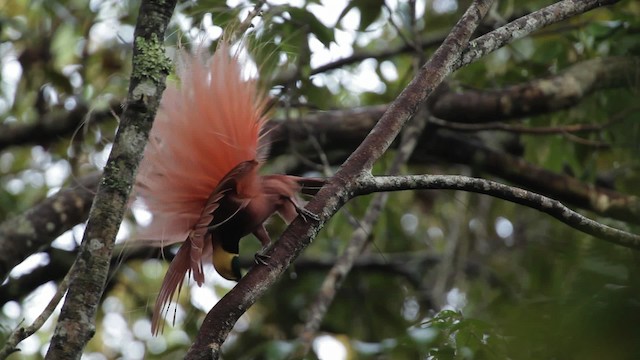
x,y
199,176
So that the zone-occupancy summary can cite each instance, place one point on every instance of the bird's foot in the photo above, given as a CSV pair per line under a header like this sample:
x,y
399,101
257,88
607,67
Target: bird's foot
x,y
261,258
304,213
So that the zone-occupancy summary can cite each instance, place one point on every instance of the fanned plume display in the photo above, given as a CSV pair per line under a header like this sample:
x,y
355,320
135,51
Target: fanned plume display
x,y
200,173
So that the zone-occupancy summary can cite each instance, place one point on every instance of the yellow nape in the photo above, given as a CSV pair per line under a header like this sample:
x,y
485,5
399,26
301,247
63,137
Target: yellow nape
x,y
226,263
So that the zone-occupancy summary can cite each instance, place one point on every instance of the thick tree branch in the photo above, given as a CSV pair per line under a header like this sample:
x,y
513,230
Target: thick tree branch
x,y
150,67
27,233
332,196
61,124
53,125
340,132
539,96
555,208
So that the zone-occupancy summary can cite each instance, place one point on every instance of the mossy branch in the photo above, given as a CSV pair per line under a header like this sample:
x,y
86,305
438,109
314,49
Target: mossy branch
x,y
150,67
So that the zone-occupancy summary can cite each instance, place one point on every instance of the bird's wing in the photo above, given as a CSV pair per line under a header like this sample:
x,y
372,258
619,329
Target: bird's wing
x,y
189,257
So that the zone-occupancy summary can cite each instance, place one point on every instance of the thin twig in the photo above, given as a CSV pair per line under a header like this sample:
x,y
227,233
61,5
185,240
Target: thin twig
x,y
24,332
407,41
586,142
363,54
246,23
454,241
520,129
542,130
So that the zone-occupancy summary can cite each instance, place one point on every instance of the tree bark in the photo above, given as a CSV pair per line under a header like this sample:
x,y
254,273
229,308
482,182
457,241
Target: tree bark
x,y
150,67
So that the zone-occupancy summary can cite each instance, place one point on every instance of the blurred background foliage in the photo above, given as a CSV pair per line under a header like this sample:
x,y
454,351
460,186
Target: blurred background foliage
x,y
447,275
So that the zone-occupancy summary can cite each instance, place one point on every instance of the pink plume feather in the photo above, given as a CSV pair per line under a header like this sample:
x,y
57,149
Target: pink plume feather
x,y
207,125
204,128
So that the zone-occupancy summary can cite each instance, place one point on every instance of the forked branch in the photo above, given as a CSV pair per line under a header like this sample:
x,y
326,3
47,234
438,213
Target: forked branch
x,y
220,320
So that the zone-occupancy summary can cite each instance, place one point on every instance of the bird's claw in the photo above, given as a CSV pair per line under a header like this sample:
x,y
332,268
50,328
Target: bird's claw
x,y
261,258
304,213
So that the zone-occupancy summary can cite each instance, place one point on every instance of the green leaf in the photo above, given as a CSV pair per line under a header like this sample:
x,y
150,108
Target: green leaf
x,y
369,10
316,27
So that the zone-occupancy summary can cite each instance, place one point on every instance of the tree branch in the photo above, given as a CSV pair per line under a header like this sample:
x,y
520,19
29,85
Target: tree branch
x,y
27,233
16,289
536,97
220,320
540,130
454,148
525,25
60,261
360,55
24,332
53,125
555,208
223,316
150,67
539,96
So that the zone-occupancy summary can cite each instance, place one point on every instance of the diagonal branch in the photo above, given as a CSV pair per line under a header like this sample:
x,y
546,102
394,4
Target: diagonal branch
x,y
525,25
24,332
220,320
555,208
